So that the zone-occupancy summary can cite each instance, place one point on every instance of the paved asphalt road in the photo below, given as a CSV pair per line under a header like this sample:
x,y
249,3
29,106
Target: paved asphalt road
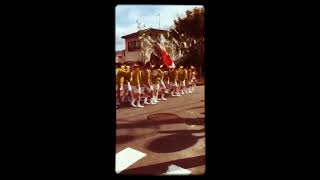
x,y
169,133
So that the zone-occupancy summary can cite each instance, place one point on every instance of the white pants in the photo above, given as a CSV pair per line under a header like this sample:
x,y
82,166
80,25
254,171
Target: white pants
x,y
182,83
188,83
162,85
167,84
194,80
174,84
156,87
146,88
127,87
136,89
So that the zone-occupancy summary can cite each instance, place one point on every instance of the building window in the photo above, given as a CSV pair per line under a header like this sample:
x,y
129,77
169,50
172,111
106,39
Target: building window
x,y
134,45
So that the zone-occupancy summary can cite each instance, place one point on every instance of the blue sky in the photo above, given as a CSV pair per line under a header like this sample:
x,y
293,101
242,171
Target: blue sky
x,y
127,15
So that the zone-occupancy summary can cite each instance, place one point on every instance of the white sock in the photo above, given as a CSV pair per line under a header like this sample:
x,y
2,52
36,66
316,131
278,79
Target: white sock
x,y
132,101
155,98
151,100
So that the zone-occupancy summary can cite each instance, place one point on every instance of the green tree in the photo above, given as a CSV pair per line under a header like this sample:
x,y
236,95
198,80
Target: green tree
x,y
192,26
190,30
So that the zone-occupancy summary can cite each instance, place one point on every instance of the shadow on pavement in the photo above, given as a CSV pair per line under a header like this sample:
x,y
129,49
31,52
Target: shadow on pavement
x,y
194,121
177,140
158,169
154,120
173,143
124,138
182,131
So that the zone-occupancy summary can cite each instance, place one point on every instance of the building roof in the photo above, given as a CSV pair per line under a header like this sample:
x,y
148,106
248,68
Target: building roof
x,y
120,51
138,33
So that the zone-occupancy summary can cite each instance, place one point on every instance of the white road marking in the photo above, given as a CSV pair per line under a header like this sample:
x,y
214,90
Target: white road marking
x,y
126,158
176,170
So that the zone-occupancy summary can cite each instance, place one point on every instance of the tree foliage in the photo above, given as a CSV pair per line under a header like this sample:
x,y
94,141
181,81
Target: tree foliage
x,y
192,25
190,30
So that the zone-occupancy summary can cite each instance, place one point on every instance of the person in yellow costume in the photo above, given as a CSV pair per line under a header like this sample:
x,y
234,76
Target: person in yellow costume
x,y
166,78
188,80
173,75
161,83
185,89
181,79
155,80
120,74
193,78
146,86
127,86
135,83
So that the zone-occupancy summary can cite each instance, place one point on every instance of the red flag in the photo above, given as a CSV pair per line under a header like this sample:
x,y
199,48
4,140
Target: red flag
x,y
166,59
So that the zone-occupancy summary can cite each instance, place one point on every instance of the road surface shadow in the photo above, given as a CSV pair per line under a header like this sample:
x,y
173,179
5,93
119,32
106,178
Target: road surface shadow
x,y
158,169
124,138
173,143
182,131
176,141
194,121
154,120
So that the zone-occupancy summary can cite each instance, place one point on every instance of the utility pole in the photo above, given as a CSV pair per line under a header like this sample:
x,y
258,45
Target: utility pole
x,y
159,19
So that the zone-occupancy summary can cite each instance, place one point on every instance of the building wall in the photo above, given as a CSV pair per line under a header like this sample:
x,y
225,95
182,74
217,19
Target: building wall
x,y
119,59
120,56
132,55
